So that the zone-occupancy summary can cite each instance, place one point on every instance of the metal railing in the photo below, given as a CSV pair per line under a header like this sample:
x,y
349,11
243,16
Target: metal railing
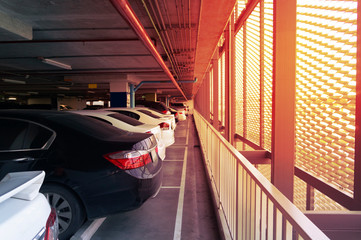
x,y
249,206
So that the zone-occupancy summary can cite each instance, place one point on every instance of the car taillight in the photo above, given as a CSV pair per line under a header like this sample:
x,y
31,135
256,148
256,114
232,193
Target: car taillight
x,y
164,111
164,125
180,112
52,227
129,159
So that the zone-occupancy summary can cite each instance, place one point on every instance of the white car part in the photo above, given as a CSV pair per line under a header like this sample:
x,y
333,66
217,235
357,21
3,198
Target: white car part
x,y
25,213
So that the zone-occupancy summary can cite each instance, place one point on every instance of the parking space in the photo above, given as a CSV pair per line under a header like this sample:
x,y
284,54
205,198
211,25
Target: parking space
x,y
181,210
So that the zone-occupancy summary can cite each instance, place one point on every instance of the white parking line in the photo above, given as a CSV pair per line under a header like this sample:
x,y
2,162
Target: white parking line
x,y
178,222
89,231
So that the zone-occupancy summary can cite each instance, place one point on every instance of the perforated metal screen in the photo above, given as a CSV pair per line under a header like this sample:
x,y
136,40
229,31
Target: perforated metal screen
x,y
254,54
241,4
239,83
267,78
326,90
253,76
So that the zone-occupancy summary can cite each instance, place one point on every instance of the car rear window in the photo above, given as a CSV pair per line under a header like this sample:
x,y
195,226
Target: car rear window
x,y
127,113
158,111
126,119
153,105
148,113
178,104
88,126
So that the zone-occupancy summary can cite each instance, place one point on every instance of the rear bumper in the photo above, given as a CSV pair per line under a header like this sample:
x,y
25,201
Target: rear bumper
x,y
161,149
122,192
168,137
182,117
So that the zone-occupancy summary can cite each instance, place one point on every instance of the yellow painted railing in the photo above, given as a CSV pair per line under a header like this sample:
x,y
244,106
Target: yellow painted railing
x,y
249,206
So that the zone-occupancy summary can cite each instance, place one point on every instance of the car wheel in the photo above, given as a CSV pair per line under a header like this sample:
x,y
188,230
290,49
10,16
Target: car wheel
x,y
69,210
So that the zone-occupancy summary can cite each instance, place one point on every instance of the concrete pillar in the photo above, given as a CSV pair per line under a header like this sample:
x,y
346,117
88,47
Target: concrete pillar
x,y
119,94
167,101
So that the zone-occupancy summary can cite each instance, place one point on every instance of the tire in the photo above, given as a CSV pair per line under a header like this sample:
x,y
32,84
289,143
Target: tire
x,y
70,212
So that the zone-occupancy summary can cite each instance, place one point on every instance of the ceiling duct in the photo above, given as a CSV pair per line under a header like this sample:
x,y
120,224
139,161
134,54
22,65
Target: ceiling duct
x,y
128,14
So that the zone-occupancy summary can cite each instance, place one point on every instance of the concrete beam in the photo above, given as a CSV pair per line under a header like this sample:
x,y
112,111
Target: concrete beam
x,y
14,29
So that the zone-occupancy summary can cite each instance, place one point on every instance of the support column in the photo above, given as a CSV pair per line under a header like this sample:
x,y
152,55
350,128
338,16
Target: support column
x,y
119,94
232,82
132,95
227,80
357,177
284,88
215,91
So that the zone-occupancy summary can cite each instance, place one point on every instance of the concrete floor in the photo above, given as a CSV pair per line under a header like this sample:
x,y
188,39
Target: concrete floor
x,y
181,210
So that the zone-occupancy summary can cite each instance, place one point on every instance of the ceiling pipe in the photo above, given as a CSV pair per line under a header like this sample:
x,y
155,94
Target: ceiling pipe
x,y
171,48
161,34
182,81
128,14
174,45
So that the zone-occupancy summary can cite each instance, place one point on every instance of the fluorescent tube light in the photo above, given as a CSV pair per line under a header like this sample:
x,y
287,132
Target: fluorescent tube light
x,y
64,88
13,81
55,63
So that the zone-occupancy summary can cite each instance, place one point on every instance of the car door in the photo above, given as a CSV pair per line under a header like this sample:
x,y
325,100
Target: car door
x,y
22,144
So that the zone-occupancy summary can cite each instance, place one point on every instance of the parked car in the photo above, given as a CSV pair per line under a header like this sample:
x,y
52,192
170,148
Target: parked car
x,y
128,124
159,114
92,169
181,105
159,106
179,113
26,213
93,107
147,117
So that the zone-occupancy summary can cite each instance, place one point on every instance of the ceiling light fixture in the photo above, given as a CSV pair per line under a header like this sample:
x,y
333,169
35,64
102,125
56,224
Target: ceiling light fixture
x,y
55,63
13,81
64,88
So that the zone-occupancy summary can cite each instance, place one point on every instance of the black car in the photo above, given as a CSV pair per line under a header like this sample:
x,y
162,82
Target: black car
x,y
92,168
158,106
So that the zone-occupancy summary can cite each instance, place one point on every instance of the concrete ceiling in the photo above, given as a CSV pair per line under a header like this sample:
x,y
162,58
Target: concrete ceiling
x,y
93,38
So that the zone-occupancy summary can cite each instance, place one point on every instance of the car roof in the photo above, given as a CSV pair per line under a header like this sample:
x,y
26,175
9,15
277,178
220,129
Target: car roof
x,y
69,120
